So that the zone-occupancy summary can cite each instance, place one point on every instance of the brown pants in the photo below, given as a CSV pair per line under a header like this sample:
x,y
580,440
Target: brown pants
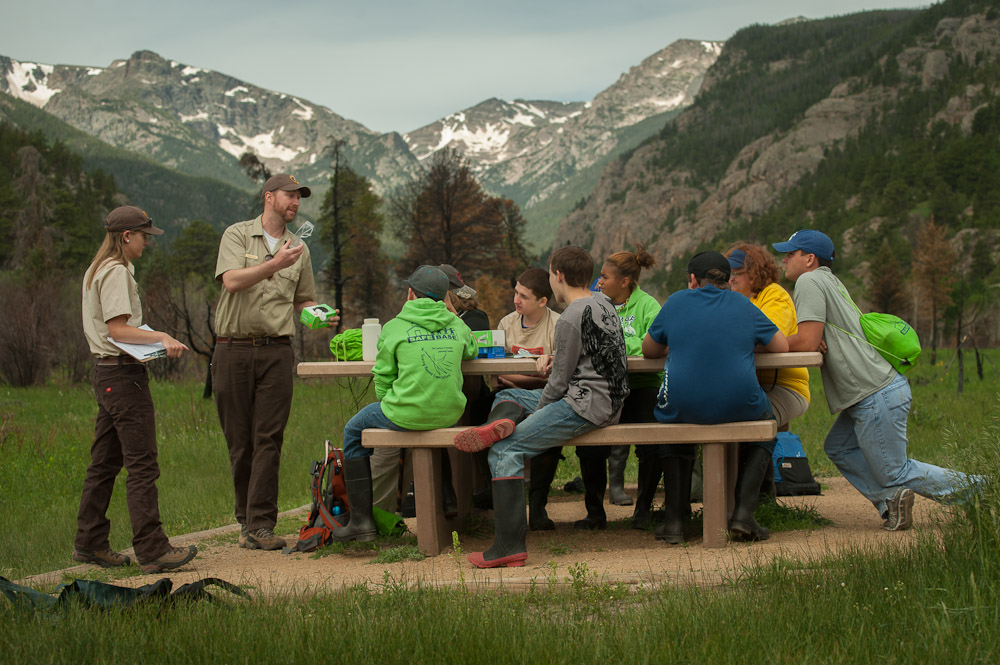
x,y
253,395
125,435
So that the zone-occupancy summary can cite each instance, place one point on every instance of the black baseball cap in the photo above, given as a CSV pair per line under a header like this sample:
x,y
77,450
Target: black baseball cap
x,y
700,264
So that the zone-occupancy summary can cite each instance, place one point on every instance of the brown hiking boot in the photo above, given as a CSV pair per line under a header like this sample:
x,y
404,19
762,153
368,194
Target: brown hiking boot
x,y
104,558
264,539
242,541
173,558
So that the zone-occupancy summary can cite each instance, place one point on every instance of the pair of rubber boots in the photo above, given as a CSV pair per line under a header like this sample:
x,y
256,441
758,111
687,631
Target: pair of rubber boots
x,y
754,465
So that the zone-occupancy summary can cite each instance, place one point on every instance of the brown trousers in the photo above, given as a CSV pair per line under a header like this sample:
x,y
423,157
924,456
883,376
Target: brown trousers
x,y
253,395
125,435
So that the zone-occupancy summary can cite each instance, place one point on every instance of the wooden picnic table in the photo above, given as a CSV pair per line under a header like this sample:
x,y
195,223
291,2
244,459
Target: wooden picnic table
x,y
433,528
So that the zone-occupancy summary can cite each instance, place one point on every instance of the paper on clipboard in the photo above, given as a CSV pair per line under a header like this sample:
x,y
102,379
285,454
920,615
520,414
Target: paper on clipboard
x,y
141,352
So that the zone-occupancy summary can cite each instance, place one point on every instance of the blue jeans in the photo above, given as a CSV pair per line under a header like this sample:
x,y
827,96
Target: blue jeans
x,y
868,444
370,417
548,427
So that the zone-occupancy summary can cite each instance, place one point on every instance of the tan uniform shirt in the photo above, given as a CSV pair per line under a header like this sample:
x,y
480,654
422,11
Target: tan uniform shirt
x,y
536,340
267,307
112,293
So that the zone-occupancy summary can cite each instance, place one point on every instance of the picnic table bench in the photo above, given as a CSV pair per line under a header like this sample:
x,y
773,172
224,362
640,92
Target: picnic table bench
x,y
719,446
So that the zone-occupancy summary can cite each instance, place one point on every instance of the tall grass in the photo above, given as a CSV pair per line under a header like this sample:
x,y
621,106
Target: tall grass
x,y
45,437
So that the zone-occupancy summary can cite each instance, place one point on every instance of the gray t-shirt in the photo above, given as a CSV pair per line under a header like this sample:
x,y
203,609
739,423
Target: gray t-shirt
x,y
589,367
852,368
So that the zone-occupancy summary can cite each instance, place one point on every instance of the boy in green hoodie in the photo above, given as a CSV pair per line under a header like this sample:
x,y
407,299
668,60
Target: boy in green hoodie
x,y
418,380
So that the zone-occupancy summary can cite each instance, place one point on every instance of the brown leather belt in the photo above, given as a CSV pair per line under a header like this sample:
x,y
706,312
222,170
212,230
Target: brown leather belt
x,y
254,341
118,361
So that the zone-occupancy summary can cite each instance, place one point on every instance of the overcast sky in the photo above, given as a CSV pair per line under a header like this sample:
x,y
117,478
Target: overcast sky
x,y
394,64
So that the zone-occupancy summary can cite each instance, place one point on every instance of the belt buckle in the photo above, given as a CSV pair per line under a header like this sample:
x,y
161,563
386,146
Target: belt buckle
x,y
260,341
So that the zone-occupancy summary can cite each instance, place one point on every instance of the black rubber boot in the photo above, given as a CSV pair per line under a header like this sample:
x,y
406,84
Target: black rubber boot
x,y
358,478
507,409
676,499
509,527
543,470
482,499
594,480
449,498
616,476
755,462
649,481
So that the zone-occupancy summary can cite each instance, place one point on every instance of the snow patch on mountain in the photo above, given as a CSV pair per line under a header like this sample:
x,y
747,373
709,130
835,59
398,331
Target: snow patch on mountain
x,y
200,115
304,112
28,82
262,145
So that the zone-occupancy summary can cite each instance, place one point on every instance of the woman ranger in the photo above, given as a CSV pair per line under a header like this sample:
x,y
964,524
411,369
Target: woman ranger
x,y
125,434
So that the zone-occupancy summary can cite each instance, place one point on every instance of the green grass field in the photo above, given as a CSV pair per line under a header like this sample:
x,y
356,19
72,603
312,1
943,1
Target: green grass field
x,y
938,600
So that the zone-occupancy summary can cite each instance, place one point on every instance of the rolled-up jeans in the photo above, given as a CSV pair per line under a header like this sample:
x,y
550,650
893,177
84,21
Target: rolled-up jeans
x,y
548,427
370,417
868,444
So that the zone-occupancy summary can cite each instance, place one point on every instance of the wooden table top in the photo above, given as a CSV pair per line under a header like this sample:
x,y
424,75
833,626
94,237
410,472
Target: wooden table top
x,y
481,367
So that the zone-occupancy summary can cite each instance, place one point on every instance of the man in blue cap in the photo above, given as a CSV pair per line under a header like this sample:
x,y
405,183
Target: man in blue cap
x,y
868,439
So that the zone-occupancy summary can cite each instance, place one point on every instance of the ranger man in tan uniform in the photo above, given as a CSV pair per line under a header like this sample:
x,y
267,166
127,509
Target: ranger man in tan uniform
x,y
266,284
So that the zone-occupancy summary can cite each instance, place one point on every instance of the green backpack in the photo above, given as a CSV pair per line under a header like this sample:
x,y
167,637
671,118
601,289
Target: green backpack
x,y
891,336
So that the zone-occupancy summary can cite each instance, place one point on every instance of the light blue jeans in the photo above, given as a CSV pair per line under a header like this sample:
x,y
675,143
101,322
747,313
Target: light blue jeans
x,y
369,417
868,444
552,425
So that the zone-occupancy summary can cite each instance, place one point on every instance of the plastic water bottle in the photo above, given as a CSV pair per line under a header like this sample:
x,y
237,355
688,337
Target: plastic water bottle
x,y
370,331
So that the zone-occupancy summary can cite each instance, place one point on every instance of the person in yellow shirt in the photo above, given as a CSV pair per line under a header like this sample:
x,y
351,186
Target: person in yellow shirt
x,y
755,275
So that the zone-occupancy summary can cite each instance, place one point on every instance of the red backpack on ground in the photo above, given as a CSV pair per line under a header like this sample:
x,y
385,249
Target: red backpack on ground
x,y
330,507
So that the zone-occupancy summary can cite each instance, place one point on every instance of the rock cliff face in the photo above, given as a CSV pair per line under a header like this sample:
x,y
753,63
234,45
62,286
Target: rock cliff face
x,y
637,201
197,121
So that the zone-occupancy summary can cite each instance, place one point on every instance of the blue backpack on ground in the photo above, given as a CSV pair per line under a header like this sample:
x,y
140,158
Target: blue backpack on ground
x,y
792,475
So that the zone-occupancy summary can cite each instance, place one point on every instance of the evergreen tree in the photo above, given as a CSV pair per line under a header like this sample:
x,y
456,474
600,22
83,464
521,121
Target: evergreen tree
x,y
350,227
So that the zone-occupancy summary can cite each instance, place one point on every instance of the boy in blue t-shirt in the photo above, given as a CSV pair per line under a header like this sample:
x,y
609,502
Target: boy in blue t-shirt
x,y
708,335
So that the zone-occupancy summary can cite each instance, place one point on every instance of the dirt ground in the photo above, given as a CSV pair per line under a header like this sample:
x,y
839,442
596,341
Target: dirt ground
x,y
618,554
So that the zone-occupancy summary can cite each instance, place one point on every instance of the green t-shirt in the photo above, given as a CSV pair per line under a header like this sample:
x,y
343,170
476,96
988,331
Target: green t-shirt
x,y
852,370
636,316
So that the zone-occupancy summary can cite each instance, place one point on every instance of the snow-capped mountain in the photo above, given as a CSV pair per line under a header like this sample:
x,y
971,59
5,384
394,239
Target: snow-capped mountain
x,y
511,144
199,121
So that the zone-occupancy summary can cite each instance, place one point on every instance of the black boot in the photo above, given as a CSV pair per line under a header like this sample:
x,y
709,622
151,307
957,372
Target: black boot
x,y
755,462
543,470
676,499
594,480
616,476
509,528
449,498
649,481
482,499
358,478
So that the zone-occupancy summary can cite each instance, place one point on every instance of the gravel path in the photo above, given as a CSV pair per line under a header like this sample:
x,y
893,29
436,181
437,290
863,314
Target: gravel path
x,y
617,555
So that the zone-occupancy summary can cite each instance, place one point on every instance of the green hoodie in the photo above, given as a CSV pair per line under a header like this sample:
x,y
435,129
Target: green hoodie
x,y
418,370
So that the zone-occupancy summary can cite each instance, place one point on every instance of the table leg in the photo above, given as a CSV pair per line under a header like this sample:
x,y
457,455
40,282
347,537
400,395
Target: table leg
x,y
432,528
715,491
